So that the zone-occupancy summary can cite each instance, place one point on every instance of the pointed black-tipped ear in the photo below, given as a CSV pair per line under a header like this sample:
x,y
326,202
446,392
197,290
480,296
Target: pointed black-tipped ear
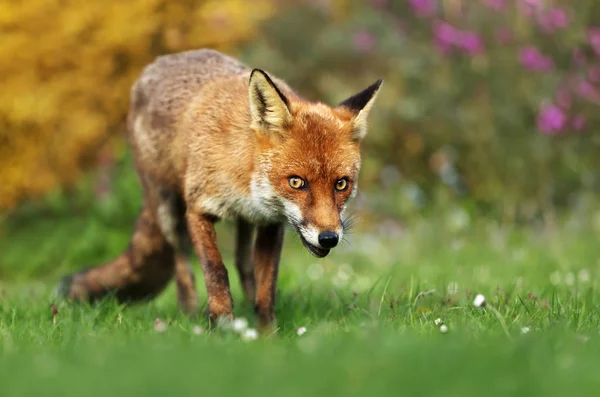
x,y
360,104
269,108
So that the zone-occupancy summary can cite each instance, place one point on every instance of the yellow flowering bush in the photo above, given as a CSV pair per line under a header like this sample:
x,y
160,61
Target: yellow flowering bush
x,y
66,68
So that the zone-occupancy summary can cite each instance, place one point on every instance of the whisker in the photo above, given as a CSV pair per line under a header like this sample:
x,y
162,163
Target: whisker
x,y
345,241
348,223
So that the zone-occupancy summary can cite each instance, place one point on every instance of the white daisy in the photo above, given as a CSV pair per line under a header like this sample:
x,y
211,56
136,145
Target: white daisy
x,y
239,324
301,331
250,334
479,301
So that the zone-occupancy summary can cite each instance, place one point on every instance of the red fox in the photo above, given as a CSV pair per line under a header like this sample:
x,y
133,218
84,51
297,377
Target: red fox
x,y
213,139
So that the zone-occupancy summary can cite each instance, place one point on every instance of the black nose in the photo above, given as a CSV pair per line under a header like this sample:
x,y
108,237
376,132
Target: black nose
x,y
328,239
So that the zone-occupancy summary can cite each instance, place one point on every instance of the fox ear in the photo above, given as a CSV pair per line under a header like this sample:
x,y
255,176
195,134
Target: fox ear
x,y
360,104
269,108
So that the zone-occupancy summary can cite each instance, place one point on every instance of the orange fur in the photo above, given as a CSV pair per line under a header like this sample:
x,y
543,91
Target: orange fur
x,y
214,140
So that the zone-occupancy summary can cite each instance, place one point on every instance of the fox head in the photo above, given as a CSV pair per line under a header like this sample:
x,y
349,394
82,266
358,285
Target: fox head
x,y
308,158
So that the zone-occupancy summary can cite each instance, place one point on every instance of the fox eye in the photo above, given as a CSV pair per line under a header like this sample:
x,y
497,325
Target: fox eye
x,y
296,182
341,185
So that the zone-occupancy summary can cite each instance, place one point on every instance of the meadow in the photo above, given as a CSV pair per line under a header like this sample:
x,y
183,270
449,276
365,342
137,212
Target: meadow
x,y
390,312
474,265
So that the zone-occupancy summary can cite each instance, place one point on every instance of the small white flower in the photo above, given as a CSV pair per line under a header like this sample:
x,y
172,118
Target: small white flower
x,y
479,301
160,326
250,334
197,330
239,324
301,331
525,330
555,278
438,321
443,328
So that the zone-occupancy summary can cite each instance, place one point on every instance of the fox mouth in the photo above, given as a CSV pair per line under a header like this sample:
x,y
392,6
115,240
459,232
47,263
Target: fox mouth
x,y
313,249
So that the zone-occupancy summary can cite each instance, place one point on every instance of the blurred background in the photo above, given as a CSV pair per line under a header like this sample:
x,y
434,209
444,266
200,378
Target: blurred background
x,y
489,111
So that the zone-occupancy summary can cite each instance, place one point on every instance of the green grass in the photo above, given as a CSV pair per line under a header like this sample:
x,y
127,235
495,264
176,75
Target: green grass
x,y
370,328
369,309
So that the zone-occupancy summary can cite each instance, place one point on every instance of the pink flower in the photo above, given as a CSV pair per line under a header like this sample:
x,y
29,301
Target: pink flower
x,y
498,5
364,41
587,90
445,32
594,39
553,20
533,59
470,42
445,35
423,8
551,120
558,18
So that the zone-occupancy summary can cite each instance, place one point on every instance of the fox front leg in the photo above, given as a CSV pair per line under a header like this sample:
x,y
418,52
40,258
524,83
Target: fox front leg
x,y
244,260
267,252
204,237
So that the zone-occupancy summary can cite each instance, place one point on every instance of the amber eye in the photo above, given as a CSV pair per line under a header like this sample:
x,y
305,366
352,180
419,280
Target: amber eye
x,y
341,185
296,182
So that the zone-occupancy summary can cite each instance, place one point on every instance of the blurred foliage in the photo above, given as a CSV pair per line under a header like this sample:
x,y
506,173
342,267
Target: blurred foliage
x,y
464,110
66,67
484,110
492,101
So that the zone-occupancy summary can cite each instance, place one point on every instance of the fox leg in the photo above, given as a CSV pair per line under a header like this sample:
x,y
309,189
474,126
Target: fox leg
x,y
243,258
140,273
204,238
171,215
267,252
187,296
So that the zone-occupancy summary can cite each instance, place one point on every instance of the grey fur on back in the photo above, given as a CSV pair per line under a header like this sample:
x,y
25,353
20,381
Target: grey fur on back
x,y
167,84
